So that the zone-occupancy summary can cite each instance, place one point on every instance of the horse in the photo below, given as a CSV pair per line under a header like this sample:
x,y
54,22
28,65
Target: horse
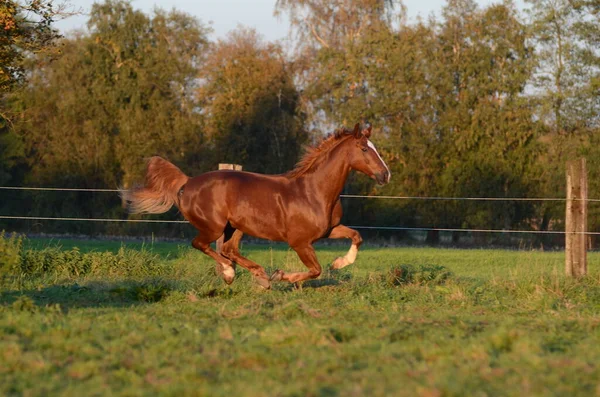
x,y
298,207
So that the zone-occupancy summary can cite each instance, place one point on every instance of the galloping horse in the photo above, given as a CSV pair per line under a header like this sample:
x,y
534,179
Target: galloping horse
x,y
298,207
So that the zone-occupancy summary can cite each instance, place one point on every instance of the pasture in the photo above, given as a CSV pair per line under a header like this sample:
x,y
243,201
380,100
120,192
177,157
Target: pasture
x,y
99,318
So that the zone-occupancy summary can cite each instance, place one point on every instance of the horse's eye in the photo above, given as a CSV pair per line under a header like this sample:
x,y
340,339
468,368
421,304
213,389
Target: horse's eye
x,y
364,149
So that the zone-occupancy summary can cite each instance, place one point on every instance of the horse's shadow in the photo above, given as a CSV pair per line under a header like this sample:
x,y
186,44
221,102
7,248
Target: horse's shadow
x,y
94,294
329,278
126,293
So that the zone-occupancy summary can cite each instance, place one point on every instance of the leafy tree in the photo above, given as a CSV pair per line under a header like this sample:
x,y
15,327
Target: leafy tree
x,y
564,35
324,31
566,90
25,29
488,130
333,24
251,104
119,94
447,97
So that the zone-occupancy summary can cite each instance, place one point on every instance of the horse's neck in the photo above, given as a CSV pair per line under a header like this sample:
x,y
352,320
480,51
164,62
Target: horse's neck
x,y
330,176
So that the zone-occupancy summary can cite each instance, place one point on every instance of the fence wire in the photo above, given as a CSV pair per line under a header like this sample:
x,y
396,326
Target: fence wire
x,y
560,199
389,228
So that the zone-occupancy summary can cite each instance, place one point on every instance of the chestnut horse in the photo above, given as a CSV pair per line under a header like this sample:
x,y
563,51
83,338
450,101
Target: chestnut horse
x,y
299,207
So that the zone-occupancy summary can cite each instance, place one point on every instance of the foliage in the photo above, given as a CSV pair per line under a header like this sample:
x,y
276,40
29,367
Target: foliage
x,y
251,103
25,31
422,274
485,101
116,96
25,28
10,252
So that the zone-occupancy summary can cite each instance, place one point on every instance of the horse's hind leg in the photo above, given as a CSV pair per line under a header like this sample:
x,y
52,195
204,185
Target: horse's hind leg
x,y
341,231
307,255
231,251
224,265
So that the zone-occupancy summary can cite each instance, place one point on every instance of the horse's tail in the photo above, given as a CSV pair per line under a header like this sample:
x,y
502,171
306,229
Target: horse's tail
x,y
160,191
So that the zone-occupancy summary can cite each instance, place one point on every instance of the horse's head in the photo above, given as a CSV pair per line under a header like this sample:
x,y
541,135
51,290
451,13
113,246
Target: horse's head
x,y
365,158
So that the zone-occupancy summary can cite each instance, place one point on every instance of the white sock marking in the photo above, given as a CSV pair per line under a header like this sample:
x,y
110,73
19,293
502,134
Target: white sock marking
x,y
351,255
228,271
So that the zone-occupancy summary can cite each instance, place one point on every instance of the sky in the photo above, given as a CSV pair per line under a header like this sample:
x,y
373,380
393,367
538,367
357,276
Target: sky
x,y
226,15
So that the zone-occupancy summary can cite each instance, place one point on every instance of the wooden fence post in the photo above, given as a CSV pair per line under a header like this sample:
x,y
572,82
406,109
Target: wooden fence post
x,y
222,166
576,219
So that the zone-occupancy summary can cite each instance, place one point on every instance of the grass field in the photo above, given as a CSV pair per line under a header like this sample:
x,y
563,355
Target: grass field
x,y
134,320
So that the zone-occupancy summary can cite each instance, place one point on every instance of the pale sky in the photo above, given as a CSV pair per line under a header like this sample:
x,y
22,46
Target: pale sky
x,y
226,15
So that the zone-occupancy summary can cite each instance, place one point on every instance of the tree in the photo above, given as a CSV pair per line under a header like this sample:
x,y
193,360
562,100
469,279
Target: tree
x,y
488,129
333,24
566,88
325,30
447,99
25,29
117,95
251,104
563,73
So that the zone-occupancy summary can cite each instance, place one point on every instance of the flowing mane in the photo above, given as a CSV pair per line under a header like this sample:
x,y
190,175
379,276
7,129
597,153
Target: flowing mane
x,y
314,155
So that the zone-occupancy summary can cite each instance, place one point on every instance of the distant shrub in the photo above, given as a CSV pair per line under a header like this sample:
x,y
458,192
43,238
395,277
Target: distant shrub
x,y
421,274
10,252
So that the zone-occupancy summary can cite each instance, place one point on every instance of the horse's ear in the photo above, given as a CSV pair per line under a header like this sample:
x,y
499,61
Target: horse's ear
x,y
356,131
367,131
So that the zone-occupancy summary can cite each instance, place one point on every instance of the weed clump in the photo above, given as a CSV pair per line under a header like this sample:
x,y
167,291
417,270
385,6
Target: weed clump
x,y
10,252
421,274
19,263
25,304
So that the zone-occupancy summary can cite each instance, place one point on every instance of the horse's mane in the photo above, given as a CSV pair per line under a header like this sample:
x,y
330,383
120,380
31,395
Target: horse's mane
x,y
315,155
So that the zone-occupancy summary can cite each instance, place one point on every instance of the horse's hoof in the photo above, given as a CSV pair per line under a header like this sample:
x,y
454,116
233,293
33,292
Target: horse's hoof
x,y
226,272
339,263
263,282
277,276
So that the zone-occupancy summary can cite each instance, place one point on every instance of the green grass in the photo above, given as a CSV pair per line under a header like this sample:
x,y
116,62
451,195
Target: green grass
x,y
116,318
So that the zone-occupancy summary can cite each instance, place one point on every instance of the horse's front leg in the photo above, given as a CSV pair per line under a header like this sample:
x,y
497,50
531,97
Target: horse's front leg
x,y
341,231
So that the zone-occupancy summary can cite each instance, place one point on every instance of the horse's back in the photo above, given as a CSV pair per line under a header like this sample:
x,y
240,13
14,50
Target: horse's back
x,y
251,202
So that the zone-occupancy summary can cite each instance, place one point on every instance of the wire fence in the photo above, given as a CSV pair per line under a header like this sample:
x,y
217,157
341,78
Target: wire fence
x,y
351,196
539,199
391,228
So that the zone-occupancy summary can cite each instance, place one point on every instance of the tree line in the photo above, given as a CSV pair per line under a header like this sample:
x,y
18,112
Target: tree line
x,y
478,102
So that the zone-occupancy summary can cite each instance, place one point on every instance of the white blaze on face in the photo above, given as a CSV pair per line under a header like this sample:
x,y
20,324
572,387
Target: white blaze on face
x,y
372,146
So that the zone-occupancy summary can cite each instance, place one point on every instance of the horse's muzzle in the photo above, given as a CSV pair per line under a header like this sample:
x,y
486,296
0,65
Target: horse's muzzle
x,y
383,178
